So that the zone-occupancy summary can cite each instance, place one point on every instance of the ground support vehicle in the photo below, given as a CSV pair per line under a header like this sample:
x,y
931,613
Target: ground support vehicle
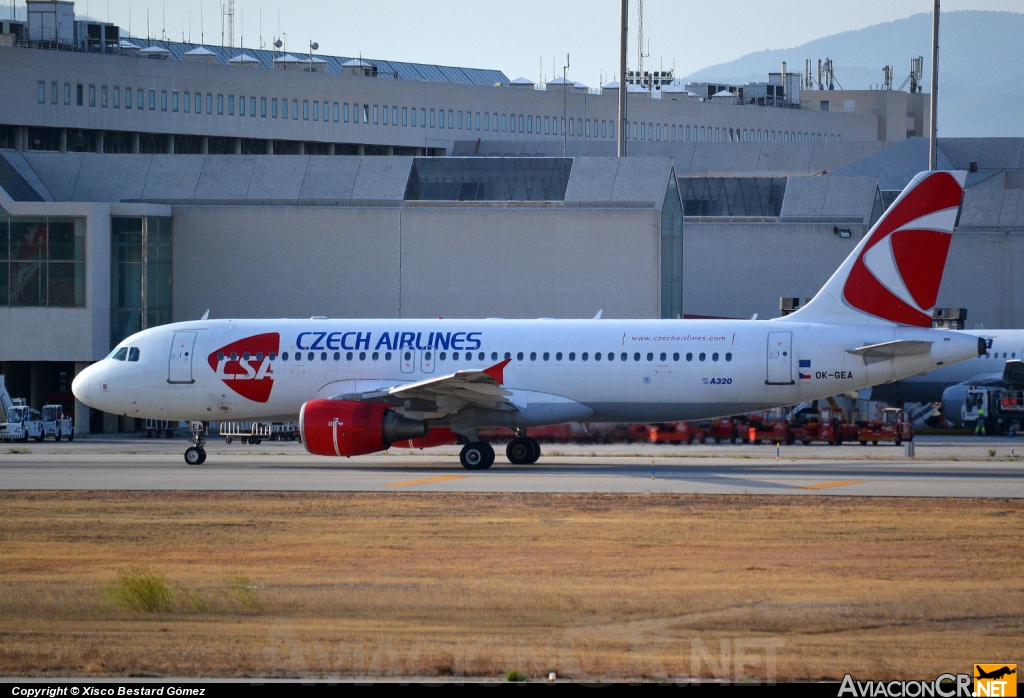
x,y
826,425
56,424
247,432
893,427
774,431
1003,409
155,427
284,431
20,422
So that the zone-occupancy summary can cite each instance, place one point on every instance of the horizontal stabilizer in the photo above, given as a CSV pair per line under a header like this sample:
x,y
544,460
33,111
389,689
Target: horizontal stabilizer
x,y
886,351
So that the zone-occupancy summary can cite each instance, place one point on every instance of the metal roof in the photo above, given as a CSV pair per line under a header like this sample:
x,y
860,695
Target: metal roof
x,y
420,72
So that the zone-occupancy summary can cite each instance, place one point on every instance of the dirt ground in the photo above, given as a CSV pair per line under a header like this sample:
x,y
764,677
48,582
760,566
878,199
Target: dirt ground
x,y
659,587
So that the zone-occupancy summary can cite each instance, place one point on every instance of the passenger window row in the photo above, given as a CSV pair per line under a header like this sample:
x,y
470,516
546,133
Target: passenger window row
x,y
481,356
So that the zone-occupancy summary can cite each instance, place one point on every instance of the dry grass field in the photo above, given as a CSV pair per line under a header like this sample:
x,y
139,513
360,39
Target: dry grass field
x,y
589,586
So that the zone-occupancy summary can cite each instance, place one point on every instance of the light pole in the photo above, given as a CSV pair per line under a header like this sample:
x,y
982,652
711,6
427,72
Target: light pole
x,y
934,108
622,78
313,46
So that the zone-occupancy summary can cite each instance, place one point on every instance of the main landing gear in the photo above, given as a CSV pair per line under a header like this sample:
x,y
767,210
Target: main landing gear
x,y
196,454
523,450
479,455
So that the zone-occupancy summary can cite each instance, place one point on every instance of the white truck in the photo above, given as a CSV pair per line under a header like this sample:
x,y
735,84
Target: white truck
x,y
56,424
20,422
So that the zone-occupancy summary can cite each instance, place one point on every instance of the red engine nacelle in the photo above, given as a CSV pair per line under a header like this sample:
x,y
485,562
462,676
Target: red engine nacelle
x,y
343,428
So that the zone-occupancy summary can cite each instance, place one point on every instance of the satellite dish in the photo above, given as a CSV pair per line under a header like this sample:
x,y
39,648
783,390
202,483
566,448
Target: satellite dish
x,y
315,46
278,44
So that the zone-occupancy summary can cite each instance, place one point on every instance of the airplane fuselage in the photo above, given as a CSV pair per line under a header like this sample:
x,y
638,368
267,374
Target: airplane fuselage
x,y
559,370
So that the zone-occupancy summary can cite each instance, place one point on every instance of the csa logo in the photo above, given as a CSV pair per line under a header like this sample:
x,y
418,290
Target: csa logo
x,y
995,680
245,365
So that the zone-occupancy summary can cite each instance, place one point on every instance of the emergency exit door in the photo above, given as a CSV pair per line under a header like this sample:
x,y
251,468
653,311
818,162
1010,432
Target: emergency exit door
x,y
179,369
780,358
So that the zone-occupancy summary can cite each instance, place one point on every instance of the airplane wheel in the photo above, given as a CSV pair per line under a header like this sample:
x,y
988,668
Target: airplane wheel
x,y
519,451
195,456
536,450
477,456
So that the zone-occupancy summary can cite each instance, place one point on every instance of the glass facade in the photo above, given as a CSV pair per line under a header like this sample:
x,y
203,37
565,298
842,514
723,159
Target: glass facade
x,y
732,196
672,254
488,179
140,275
42,262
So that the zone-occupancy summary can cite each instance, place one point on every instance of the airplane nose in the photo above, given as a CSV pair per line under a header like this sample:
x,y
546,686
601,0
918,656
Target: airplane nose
x,y
81,386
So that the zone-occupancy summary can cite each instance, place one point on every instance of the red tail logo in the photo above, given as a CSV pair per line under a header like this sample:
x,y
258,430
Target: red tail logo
x,y
245,366
897,275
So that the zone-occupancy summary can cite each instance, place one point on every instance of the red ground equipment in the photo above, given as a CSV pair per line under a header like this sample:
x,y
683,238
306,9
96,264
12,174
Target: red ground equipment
x,y
893,427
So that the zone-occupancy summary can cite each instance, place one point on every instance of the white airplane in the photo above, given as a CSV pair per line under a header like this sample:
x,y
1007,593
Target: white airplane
x,y
360,385
949,383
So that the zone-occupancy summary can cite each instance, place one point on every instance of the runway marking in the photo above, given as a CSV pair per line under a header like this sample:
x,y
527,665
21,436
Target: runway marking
x,y
827,485
427,481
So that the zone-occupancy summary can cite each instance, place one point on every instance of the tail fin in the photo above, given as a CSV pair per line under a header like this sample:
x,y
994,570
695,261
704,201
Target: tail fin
x,y
893,275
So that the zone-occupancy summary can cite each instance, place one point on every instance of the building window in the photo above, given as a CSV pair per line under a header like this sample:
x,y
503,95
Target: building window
x,y
459,115
252,107
42,262
451,124
433,118
42,92
117,98
140,283
337,113
92,95
611,129
405,116
263,107
209,103
385,115
127,98
67,93
53,93
413,116
423,118
344,111
231,105
152,100
316,111
241,105
394,116
187,105
477,121
163,100
376,113
305,110
174,101
273,108
220,105
295,109
199,102
103,96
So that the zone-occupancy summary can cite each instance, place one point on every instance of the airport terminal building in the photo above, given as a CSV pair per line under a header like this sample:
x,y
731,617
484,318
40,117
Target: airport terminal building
x,y
359,188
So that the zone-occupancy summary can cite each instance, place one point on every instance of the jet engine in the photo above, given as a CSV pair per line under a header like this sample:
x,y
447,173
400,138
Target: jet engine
x,y
345,428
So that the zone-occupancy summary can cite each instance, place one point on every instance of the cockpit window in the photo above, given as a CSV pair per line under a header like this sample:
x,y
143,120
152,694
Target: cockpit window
x,y
120,355
133,354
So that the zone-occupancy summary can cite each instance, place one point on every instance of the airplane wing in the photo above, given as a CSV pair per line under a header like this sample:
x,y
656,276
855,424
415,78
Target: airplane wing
x,y
447,394
886,351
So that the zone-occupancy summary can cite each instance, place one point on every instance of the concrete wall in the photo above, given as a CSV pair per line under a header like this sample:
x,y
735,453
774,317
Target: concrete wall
x,y
416,261
24,68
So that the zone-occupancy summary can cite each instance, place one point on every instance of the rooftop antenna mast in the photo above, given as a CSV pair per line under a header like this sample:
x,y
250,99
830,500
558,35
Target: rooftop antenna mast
x,y
933,110
623,39
565,105
641,54
229,13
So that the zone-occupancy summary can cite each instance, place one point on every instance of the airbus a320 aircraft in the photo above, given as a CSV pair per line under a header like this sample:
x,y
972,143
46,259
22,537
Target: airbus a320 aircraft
x,y
358,386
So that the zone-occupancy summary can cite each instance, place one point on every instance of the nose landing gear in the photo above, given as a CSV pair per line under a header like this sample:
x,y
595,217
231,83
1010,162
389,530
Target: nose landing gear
x,y
196,454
